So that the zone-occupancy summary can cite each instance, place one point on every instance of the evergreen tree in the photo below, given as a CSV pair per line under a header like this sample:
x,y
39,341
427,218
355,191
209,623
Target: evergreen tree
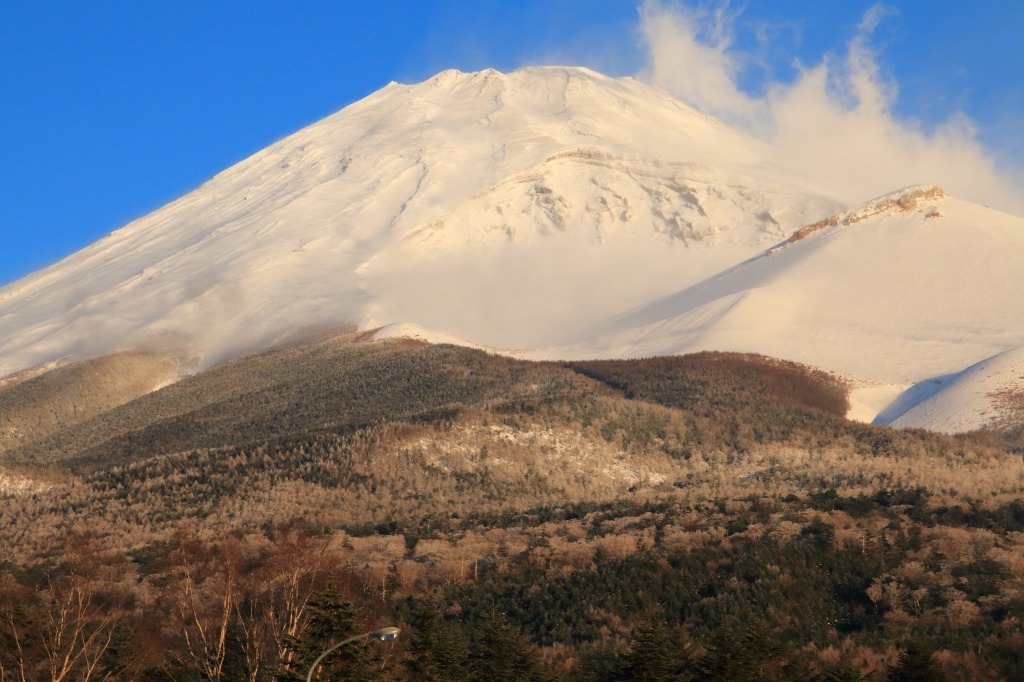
x,y
840,671
234,660
727,657
916,664
332,620
751,653
656,656
502,654
439,648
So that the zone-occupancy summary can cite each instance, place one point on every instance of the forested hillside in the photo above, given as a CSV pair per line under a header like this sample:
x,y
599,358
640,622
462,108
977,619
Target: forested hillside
x,y
33,407
701,517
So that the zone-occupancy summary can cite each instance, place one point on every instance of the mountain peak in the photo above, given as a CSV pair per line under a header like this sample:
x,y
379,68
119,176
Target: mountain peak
x,y
455,75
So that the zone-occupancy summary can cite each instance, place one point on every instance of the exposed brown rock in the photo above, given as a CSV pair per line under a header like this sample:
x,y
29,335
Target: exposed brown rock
x,y
899,202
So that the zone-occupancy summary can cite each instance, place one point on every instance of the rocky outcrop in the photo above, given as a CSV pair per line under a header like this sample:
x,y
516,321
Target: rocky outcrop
x,y
903,201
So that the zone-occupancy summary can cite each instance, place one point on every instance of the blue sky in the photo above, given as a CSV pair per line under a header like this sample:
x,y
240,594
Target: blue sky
x,y
110,109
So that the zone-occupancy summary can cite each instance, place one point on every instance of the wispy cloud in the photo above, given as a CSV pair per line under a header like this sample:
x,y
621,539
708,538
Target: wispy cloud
x,y
834,122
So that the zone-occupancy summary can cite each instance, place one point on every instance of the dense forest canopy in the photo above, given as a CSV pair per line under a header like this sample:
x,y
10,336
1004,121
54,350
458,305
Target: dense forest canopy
x,y
711,516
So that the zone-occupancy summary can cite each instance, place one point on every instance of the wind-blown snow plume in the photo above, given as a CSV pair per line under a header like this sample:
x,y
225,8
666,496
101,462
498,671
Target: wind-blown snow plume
x,y
834,122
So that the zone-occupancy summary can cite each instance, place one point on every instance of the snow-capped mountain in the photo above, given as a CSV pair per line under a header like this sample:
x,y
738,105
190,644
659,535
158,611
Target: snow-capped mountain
x,y
550,212
505,209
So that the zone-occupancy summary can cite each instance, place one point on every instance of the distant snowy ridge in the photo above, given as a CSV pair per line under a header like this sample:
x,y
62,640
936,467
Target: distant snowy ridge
x,y
989,394
921,288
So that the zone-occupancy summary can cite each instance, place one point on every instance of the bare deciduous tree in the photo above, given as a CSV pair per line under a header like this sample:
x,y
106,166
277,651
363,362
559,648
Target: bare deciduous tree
x,y
203,589
63,628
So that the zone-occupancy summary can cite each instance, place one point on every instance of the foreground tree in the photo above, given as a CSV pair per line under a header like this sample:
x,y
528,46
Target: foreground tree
x,y
202,589
656,656
502,654
272,610
60,625
916,663
440,650
332,619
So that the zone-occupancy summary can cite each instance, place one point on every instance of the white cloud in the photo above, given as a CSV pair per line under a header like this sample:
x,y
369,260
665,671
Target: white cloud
x,y
834,122
689,56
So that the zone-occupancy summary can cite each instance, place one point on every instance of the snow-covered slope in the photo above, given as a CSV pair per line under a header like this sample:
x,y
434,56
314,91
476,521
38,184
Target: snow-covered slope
x,y
989,394
900,293
504,209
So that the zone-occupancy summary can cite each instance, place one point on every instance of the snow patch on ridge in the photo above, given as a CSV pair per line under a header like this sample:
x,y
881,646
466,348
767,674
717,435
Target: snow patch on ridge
x,y
901,301
868,399
407,330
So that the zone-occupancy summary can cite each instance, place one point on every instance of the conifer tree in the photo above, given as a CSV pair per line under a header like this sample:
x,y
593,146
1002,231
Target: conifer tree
x,y
502,654
840,671
737,653
656,656
916,664
440,650
727,657
332,619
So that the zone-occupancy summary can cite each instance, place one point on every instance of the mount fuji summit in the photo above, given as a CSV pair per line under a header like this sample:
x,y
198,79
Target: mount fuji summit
x,y
551,213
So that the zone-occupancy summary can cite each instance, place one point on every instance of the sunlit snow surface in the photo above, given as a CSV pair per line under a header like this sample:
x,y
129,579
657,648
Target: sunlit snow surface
x,y
900,301
549,212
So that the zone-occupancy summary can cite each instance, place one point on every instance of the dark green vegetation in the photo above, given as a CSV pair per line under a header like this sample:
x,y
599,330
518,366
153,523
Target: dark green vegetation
x,y
705,517
320,388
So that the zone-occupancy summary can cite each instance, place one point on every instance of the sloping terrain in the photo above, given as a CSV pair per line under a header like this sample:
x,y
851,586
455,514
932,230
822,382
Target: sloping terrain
x,y
344,430
339,385
37,407
418,423
334,385
906,289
